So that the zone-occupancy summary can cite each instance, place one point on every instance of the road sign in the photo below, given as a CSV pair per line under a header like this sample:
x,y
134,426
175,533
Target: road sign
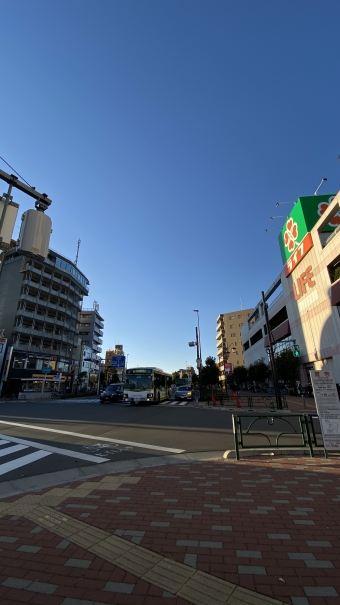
x,y
46,369
118,361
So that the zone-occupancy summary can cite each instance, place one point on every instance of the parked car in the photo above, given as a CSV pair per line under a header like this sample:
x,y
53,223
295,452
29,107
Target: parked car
x,y
184,392
113,393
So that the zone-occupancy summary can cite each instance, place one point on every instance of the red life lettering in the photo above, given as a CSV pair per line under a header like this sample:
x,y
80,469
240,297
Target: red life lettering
x,y
299,289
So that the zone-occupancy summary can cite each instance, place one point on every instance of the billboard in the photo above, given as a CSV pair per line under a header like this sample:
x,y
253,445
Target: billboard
x,y
228,368
304,215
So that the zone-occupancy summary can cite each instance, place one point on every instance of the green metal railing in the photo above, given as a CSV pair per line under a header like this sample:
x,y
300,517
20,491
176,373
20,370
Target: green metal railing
x,y
302,428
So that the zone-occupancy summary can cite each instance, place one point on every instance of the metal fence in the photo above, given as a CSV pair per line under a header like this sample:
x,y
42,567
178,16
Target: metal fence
x,y
298,429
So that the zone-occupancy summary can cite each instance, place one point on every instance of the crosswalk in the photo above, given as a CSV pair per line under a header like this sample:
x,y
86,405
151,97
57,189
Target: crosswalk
x,y
7,449
16,453
177,403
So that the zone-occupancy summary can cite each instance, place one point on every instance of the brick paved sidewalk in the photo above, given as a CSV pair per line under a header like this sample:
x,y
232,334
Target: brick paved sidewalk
x,y
255,532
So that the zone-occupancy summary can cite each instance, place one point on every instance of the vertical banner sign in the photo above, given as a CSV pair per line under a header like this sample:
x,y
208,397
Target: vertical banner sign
x,y
328,407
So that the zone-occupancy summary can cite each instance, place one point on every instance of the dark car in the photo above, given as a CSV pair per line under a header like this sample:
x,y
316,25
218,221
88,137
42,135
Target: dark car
x,y
184,392
113,393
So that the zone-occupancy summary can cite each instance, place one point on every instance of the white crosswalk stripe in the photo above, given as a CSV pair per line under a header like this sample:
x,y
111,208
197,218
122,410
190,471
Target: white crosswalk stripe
x,y
14,445
19,462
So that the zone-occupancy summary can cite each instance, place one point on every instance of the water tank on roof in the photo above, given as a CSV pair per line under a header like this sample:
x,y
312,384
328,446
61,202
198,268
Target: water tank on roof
x,y
34,237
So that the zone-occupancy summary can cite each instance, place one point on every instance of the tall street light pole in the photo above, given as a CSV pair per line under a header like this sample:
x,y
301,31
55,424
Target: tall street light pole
x,y
199,350
271,355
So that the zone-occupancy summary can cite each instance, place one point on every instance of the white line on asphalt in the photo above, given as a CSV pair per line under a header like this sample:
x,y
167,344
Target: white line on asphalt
x,y
18,462
57,450
11,450
84,436
3,441
183,403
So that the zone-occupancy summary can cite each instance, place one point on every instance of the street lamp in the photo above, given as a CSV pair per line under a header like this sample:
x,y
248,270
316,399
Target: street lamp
x,y
225,357
197,343
271,354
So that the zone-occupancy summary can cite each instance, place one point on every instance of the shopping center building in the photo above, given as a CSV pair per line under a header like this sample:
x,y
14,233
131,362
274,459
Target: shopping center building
x,y
304,300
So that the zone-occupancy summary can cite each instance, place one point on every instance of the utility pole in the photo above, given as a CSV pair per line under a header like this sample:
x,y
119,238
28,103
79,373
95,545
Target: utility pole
x,y
271,355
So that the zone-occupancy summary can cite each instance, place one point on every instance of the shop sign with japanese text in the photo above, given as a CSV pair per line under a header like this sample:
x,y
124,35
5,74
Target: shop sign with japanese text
x,y
328,407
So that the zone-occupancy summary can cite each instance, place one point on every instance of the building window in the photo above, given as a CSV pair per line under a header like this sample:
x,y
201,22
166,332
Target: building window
x,y
233,334
231,326
18,362
239,316
231,317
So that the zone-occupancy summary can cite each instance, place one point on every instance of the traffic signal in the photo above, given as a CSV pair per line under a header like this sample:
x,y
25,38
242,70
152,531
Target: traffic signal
x,y
296,351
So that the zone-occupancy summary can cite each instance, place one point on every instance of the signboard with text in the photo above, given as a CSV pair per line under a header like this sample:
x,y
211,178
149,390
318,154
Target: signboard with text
x,y
328,407
293,240
118,361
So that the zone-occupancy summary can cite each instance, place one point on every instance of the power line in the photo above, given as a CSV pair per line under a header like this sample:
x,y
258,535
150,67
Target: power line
x,y
11,167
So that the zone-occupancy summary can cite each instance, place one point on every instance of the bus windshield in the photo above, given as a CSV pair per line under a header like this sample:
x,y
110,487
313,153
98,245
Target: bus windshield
x,y
134,381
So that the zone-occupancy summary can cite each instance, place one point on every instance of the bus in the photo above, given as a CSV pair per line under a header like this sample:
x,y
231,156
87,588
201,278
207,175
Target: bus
x,y
146,385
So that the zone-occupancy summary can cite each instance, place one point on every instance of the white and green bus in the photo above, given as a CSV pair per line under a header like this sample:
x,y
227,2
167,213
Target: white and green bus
x,y
146,384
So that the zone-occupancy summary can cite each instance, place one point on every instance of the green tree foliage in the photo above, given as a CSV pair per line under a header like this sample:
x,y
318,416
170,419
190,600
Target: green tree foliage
x,y
240,374
81,377
258,370
114,377
194,378
286,365
175,376
210,372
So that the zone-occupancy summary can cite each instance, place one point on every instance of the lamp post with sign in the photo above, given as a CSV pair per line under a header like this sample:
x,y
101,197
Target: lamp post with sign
x,y
197,344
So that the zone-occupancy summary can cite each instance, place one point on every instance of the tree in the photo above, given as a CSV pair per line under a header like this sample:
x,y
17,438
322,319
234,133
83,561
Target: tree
x,y
114,377
258,370
194,378
286,365
184,375
210,373
240,374
175,376
82,376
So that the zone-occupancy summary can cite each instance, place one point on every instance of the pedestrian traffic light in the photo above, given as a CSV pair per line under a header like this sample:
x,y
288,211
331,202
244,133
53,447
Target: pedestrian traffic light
x,y
296,351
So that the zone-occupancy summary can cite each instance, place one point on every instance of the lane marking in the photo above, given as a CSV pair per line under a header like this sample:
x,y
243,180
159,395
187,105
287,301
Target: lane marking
x,y
84,436
3,441
10,466
11,450
56,450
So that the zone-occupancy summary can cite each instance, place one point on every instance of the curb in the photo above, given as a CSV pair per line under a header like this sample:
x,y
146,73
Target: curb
x,y
248,453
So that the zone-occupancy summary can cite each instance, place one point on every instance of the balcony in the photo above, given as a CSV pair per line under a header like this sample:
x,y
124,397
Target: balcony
x,y
25,296
23,329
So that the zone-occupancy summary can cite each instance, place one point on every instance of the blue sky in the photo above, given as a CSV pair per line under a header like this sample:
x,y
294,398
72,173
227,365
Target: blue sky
x,y
165,131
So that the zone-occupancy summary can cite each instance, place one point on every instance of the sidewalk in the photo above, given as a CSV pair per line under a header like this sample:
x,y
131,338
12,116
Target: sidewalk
x,y
256,532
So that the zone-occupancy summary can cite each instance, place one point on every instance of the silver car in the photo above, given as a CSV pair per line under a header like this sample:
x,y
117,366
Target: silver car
x,y
185,392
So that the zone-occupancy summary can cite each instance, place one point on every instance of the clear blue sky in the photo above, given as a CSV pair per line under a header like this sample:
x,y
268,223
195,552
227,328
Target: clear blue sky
x,y
165,131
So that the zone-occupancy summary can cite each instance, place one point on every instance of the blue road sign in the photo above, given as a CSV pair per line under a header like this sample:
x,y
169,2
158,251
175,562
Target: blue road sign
x,y
118,361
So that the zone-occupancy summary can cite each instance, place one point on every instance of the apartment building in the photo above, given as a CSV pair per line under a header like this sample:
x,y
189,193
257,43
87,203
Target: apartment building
x,y
229,339
118,351
39,305
90,328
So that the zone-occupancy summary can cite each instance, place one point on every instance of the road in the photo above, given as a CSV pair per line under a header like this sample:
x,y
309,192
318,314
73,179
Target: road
x,y
43,437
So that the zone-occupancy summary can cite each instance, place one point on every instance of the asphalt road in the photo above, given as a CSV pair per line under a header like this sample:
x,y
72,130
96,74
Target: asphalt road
x,y
91,433
43,437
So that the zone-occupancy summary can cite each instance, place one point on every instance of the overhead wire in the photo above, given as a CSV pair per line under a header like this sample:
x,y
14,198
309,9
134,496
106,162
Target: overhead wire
x,y
11,167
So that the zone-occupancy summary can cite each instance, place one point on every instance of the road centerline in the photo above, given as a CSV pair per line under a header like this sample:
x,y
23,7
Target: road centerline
x,y
92,437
